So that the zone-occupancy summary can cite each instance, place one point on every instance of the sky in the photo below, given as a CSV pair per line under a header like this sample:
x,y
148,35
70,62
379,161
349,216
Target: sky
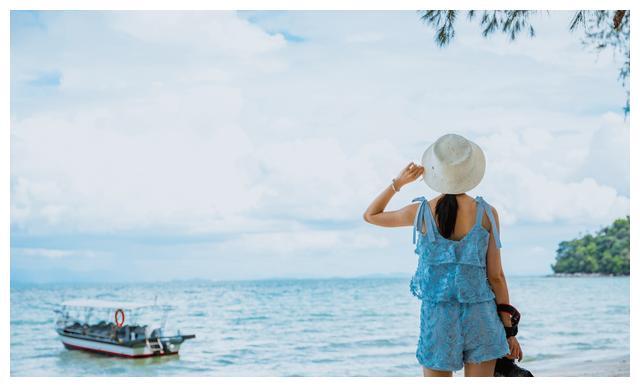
x,y
150,145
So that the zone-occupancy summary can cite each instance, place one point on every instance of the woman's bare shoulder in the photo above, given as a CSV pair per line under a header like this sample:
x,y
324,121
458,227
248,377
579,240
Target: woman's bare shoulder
x,y
486,222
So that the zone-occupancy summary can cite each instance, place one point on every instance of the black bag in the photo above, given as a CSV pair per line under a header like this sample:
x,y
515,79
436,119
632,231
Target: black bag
x,y
508,367
504,365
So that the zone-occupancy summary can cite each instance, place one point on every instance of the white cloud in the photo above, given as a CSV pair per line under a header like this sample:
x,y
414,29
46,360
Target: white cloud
x,y
53,253
536,174
214,32
319,178
608,158
300,242
160,162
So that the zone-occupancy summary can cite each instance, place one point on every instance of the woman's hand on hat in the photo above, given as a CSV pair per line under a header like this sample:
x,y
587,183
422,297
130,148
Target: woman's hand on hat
x,y
409,174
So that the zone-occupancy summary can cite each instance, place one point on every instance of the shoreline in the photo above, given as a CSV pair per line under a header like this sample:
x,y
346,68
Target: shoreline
x,y
583,275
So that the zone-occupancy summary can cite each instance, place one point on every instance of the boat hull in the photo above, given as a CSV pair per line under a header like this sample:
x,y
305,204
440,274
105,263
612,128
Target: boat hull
x,y
114,349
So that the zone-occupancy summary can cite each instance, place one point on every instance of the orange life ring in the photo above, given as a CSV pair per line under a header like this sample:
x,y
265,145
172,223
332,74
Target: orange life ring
x,y
119,322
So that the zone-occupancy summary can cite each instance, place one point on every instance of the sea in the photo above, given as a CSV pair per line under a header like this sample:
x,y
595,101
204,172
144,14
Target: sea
x,y
314,327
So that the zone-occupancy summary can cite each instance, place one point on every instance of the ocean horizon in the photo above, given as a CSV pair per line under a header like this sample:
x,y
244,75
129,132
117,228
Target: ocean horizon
x,y
399,276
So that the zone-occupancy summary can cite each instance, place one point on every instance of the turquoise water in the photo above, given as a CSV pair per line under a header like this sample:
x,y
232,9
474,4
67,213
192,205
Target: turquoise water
x,y
332,327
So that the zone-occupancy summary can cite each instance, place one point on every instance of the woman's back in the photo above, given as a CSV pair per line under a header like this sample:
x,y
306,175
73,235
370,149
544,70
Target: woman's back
x,y
465,218
453,269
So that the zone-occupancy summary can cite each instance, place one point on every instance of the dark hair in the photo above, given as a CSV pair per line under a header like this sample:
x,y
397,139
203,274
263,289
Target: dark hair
x,y
446,212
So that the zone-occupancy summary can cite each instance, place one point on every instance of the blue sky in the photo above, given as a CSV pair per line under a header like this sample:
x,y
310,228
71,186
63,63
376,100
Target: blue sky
x,y
150,145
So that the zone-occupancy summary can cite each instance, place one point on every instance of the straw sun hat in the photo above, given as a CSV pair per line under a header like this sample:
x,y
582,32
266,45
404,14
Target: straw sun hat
x,y
453,164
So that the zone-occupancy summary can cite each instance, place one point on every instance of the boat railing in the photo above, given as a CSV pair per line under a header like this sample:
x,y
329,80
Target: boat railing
x,y
108,330
127,333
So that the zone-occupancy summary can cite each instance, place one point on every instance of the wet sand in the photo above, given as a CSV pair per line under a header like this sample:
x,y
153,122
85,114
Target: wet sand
x,y
603,367
612,366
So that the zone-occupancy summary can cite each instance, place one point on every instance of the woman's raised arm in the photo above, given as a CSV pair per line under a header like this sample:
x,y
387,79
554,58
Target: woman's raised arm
x,y
375,213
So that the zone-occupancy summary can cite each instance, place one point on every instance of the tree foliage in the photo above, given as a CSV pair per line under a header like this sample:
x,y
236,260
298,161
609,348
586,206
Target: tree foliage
x,y
606,252
602,29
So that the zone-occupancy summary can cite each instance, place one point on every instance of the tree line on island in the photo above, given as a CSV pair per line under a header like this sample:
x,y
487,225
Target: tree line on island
x,y
605,252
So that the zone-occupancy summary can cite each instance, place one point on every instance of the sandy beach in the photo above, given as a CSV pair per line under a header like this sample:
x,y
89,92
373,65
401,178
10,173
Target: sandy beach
x,y
610,366
602,367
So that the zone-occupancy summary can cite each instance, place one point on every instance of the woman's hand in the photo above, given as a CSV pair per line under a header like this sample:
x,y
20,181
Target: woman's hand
x,y
514,347
408,174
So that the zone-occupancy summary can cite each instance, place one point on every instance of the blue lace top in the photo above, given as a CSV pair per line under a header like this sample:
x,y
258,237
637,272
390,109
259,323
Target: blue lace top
x,y
450,270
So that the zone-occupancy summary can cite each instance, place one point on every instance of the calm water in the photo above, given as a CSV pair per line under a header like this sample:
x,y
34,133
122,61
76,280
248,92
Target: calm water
x,y
336,327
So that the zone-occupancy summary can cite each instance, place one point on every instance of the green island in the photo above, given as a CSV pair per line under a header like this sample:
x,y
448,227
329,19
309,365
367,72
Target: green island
x,y
606,252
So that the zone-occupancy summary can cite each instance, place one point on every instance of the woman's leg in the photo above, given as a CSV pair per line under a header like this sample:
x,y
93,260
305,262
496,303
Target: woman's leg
x,y
429,372
486,368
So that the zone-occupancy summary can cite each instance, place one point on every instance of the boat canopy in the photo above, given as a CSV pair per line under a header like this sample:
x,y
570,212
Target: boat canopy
x,y
109,304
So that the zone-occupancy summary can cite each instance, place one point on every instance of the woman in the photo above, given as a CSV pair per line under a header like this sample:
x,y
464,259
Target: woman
x,y
459,276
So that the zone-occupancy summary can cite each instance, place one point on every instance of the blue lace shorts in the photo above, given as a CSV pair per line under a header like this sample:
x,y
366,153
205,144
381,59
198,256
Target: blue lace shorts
x,y
453,333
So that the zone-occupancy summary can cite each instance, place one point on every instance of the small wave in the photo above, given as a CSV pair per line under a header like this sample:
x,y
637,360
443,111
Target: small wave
x,y
31,322
248,319
541,356
236,354
581,345
370,313
385,356
41,356
378,343
310,330
364,343
106,295
567,333
320,314
324,360
617,309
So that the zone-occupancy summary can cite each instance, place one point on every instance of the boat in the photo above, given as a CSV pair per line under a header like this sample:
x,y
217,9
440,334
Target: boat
x,y
85,324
